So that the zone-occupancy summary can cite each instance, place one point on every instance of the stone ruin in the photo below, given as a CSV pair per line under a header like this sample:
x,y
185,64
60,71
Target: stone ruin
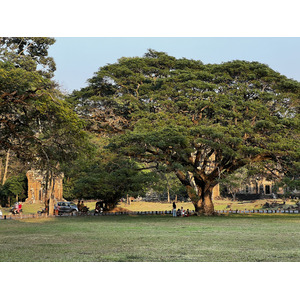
x,y
36,186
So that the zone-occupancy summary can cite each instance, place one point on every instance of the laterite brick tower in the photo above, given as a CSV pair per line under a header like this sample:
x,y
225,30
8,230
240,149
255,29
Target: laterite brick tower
x,y
36,186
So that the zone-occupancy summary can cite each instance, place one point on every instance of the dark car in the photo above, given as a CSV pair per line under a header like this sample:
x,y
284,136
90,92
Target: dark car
x,y
66,208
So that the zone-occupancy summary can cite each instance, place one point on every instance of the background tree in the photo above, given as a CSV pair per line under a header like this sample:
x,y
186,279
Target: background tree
x,y
202,122
289,171
13,173
105,175
167,186
234,182
14,189
36,123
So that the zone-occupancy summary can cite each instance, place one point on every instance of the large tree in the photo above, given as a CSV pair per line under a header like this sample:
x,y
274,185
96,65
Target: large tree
x,y
202,122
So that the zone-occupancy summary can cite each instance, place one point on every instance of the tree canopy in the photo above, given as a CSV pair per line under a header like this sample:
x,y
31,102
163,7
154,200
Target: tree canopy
x,y
28,53
201,122
35,120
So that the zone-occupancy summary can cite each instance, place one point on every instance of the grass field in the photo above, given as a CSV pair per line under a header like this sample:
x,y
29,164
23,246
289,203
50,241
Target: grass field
x,y
253,238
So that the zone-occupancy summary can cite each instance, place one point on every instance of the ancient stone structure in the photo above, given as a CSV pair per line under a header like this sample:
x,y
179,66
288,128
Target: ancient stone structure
x,y
259,186
216,192
36,186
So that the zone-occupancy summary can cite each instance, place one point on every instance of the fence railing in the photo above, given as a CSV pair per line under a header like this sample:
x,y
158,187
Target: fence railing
x,y
24,216
165,212
259,211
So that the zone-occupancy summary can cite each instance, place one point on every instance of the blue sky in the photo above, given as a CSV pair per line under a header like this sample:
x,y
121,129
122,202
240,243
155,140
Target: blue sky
x,y
78,58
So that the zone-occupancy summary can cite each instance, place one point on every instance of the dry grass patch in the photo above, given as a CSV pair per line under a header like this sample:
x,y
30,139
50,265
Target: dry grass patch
x,y
37,220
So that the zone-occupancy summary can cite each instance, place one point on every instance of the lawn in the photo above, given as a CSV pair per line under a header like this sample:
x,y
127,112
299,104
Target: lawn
x,y
159,238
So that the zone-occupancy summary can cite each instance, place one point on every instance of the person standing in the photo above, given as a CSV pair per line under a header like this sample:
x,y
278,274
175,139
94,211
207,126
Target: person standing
x,y
174,209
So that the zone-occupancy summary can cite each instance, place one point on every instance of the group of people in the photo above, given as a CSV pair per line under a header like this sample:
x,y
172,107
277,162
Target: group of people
x,y
180,212
81,206
17,208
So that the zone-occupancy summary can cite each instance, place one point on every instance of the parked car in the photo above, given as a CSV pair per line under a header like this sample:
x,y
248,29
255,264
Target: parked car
x,y
65,207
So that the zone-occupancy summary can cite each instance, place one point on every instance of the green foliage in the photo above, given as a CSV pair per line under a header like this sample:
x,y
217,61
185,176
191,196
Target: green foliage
x,y
111,181
28,53
14,186
167,182
36,122
104,175
233,182
291,179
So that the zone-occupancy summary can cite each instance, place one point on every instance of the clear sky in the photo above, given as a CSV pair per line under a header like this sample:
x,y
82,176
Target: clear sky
x,y
78,58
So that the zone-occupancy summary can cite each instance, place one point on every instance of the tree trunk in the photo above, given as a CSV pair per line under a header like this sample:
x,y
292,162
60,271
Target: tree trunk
x,y
51,196
46,200
209,208
199,191
1,169
203,201
128,200
234,196
6,167
168,190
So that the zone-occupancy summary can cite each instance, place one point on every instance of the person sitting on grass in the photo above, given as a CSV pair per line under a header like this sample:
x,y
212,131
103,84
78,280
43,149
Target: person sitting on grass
x,y
99,207
182,211
19,207
16,207
178,213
